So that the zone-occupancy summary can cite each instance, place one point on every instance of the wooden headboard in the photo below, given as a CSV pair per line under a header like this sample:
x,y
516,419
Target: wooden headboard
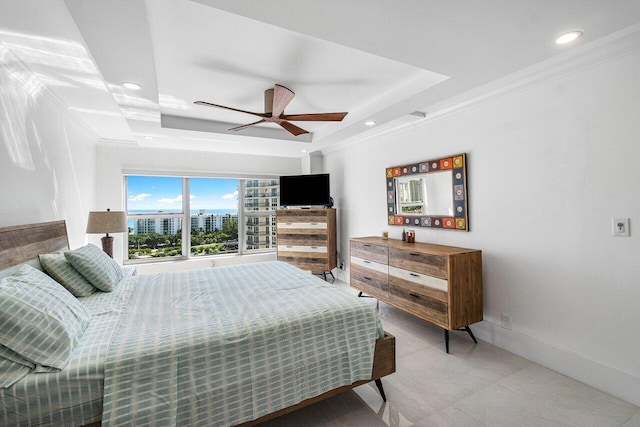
x,y
21,243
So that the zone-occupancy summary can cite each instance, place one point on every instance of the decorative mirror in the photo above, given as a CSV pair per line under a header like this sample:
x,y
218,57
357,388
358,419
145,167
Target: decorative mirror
x,y
429,194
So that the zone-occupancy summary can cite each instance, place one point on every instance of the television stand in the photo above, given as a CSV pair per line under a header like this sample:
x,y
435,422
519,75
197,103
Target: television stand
x,y
306,238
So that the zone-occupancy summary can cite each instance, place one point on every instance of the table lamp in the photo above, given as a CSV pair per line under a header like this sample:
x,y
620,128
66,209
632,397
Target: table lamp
x,y
107,222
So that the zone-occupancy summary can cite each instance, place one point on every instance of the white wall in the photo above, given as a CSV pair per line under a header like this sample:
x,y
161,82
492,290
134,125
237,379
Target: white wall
x,y
47,156
548,167
113,160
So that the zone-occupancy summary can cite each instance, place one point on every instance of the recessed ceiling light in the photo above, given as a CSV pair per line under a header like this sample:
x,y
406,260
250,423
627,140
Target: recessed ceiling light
x,y
568,37
370,123
131,85
303,151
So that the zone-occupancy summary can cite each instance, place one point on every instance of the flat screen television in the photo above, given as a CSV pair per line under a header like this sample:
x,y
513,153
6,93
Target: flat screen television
x,y
305,190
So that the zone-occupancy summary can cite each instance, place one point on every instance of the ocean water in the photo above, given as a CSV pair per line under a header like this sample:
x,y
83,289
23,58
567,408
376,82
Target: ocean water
x,y
193,211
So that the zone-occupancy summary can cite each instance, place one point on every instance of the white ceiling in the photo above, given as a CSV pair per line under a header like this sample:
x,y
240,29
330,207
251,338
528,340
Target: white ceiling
x,y
376,59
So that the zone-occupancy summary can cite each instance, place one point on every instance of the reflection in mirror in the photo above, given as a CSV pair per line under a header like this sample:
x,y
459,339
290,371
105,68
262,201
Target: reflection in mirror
x,y
428,194
409,193
425,194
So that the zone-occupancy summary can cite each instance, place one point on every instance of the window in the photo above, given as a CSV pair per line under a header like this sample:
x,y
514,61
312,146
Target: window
x,y
261,199
157,208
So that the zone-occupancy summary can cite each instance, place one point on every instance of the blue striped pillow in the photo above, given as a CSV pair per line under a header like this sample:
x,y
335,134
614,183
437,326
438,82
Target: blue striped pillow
x,y
57,266
39,319
96,266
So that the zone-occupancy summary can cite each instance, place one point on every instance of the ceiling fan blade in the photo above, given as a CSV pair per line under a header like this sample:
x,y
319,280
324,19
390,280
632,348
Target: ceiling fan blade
x,y
293,129
208,104
250,124
315,117
281,98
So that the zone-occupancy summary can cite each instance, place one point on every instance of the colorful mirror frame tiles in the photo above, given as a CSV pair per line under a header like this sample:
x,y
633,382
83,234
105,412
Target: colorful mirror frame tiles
x,y
459,221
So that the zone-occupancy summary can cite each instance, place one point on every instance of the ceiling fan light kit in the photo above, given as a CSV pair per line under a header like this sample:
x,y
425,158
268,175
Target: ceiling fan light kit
x,y
275,101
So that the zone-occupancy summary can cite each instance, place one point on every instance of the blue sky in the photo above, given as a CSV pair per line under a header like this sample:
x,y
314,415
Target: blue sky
x,y
165,193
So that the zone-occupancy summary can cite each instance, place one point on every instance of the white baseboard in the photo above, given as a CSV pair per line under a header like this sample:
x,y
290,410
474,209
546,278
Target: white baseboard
x,y
619,384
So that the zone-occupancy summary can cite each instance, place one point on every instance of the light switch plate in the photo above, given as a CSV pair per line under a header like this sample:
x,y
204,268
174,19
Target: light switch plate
x,y
620,227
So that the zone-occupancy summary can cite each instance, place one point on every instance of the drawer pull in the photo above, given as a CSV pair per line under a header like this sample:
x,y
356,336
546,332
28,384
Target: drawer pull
x,y
314,247
314,260
314,223
366,246
414,254
367,262
415,296
414,274
367,278
289,223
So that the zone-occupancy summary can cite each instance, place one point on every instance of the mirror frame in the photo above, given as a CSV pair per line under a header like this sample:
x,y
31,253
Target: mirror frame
x,y
459,221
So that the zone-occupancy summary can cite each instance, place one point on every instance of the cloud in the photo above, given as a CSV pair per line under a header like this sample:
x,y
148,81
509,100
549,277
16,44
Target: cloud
x,y
231,195
140,197
167,200
177,199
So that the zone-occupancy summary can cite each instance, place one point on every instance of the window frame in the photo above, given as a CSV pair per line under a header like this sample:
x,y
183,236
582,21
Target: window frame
x,y
185,215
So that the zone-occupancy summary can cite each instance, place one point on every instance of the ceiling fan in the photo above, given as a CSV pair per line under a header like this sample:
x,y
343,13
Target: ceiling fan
x,y
275,101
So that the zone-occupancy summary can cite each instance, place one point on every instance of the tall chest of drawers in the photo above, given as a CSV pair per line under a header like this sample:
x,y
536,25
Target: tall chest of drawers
x,y
306,238
440,284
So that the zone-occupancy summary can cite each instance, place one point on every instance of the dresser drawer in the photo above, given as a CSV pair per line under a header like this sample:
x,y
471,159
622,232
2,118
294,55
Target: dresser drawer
x,y
304,214
300,250
371,252
419,287
316,265
302,239
432,265
290,225
371,265
420,304
370,281
303,252
419,279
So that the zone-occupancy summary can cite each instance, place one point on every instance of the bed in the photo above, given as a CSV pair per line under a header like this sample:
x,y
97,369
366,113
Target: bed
x,y
186,348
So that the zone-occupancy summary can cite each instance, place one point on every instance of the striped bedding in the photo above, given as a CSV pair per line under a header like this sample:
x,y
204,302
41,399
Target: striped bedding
x,y
72,396
216,346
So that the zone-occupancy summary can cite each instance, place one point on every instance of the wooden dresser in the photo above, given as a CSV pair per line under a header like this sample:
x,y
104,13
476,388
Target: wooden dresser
x,y
440,284
306,238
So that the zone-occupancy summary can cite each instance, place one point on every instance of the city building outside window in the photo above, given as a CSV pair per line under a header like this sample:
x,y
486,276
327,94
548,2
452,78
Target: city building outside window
x,y
223,216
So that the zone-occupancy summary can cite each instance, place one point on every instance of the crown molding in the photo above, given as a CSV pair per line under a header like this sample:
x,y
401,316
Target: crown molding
x,y
112,142
617,45
613,46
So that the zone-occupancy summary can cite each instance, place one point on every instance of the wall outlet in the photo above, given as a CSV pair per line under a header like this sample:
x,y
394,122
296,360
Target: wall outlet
x,y
620,227
341,266
505,321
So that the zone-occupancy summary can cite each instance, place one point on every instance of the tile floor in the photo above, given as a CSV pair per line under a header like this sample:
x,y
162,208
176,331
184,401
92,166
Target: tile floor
x,y
473,385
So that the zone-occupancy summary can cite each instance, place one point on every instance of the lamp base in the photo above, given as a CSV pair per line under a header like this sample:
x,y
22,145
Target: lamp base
x,y
107,245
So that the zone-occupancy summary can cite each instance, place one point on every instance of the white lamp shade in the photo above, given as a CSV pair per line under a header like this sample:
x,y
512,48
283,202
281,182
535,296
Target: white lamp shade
x,y
107,222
